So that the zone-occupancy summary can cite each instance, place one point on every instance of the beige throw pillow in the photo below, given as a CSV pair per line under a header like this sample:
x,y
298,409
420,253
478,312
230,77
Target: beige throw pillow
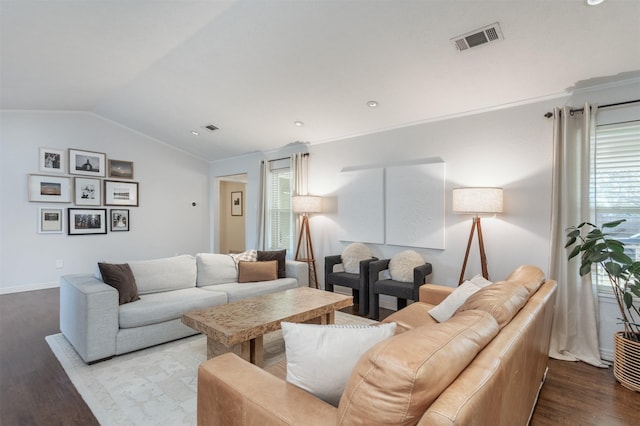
x,y
402,264
257,271
352,255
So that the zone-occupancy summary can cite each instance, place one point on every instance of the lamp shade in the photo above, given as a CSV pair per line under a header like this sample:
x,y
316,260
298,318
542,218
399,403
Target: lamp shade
x,y
306,204
477,200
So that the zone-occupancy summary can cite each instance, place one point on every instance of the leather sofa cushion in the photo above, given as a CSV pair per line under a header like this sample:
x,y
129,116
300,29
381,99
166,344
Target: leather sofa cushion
x,y
502,300
531,277
413,316
398,379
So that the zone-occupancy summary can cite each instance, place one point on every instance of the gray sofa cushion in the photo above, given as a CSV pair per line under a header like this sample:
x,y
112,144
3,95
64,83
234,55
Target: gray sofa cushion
x,y
159,275
214,268
165,306
236,291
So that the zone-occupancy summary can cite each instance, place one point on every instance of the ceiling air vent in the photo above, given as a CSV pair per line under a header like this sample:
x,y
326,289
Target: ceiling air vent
x,y
478,37
210,127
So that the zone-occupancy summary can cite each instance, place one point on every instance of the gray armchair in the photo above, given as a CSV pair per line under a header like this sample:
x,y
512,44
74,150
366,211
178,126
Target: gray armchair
x,y
401,290
358,282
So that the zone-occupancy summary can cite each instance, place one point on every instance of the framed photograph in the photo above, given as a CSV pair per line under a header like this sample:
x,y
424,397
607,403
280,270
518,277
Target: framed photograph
x,y
117,193
86,221
50,220
87,191
49,189
119,220
236,203
121,169
52,160
86,163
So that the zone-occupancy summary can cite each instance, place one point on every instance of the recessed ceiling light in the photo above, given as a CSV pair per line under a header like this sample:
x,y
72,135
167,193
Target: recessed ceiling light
x,y
372,104
594,2
194,133
298,123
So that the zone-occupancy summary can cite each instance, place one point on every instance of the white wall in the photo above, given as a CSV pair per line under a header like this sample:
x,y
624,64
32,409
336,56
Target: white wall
x,y
510,147
164,224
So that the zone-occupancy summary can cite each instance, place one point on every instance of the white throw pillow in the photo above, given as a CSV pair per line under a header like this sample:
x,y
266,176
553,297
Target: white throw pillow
x,y
352,255
480,281
402,264
450,305
320,357
247,256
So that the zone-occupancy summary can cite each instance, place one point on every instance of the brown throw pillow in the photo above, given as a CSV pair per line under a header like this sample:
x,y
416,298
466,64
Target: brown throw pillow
x,y
280,256
121,278
257,271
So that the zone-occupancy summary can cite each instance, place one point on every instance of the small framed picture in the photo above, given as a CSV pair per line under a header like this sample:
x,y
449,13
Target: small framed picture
x,y
87,191
86,221
119,220
49,189
236,203
86,163
117,193
121,169
52,160
50,221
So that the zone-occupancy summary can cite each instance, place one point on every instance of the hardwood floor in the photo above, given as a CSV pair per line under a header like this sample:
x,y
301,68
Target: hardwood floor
x,y
34,389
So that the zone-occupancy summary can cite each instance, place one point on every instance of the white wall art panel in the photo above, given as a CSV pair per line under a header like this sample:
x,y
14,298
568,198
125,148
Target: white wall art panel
x,y
415,201
361,206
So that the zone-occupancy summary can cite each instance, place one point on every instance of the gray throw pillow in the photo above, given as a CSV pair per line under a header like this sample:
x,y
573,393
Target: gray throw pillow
x,y
120,277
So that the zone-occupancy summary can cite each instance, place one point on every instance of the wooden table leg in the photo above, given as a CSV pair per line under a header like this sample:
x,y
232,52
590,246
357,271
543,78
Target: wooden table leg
x,y
329,318
253,351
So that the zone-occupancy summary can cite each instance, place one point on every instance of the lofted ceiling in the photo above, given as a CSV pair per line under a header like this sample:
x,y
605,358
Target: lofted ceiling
x,y
254,67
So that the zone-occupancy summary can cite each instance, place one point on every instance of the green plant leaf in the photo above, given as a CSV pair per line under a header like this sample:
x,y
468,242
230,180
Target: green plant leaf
x,y
585,268
621,257
628,300
613,268
573,234
571,241
574,252
613,224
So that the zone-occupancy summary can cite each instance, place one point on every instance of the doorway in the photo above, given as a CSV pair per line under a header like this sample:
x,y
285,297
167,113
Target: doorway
x,y
232,213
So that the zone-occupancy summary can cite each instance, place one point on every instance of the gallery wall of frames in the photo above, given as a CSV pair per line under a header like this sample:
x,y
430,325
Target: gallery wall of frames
x,y
100,190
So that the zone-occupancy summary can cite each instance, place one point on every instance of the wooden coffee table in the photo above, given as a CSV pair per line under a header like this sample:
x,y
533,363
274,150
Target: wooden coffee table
x,y
240,326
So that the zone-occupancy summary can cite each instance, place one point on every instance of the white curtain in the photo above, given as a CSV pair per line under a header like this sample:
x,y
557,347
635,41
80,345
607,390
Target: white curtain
x,y
263,206
574,335
299,175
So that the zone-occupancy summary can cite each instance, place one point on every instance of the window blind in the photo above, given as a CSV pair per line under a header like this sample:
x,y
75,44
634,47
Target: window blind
x,y
615,186
280,221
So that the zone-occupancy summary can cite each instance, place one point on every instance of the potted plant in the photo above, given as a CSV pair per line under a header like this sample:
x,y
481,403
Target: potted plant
x,y
596,246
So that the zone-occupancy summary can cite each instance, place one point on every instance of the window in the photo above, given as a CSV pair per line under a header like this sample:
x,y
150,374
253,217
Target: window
x,y
279,221
615,184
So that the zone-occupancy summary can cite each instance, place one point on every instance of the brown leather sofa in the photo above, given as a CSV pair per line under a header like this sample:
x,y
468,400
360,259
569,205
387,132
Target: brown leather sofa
x,y
483,366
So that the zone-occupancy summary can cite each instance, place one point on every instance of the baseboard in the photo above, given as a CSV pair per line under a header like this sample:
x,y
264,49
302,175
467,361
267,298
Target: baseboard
x,y
29,287
607,355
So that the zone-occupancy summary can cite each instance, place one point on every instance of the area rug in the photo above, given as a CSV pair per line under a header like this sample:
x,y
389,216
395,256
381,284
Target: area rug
x,y
154,386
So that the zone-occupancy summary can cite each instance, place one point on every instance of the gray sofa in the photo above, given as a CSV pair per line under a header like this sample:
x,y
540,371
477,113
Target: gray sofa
x,y
98,327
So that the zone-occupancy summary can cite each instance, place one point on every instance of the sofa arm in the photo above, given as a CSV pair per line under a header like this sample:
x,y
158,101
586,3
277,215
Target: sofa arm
x,y
233,392
299,271
433,294
89,315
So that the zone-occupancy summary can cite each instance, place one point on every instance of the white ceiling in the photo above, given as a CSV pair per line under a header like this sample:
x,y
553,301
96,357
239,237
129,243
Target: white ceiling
x,y
254,67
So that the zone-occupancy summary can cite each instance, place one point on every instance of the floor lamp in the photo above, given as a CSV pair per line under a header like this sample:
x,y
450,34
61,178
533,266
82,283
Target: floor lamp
x,y
304,205
476,201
